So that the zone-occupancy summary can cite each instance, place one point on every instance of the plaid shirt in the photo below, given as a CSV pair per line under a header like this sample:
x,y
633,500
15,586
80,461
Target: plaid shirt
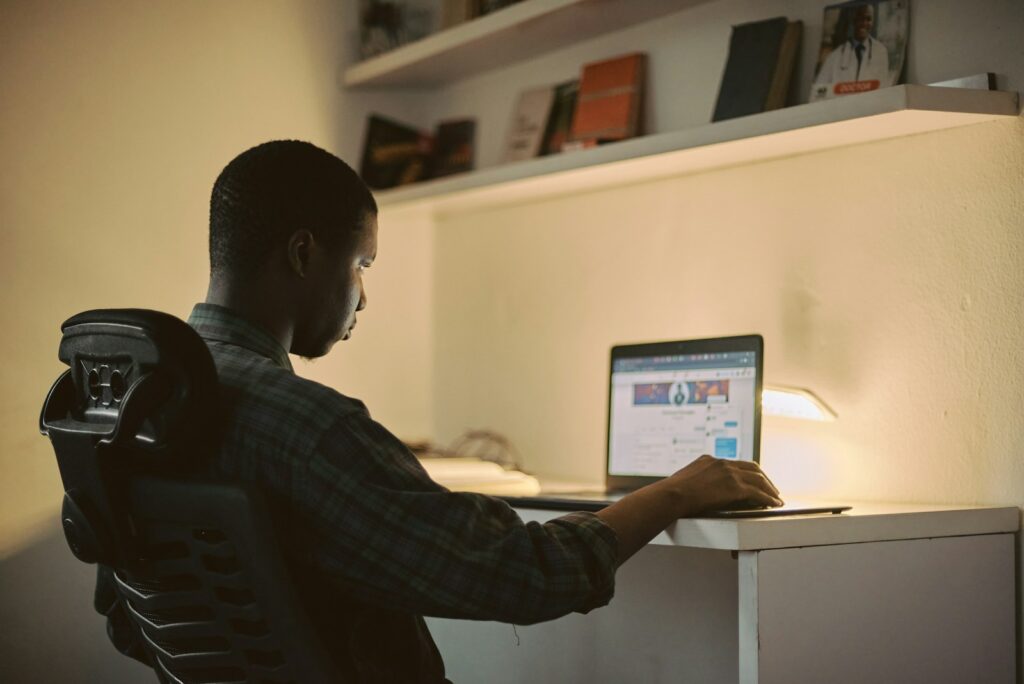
x,y
364,523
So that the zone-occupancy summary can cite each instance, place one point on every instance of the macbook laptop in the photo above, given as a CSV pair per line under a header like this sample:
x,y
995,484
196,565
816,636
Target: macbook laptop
x,y
669,403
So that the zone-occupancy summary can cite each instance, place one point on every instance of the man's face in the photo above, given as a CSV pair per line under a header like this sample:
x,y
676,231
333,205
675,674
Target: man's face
x,y
335,292
863,19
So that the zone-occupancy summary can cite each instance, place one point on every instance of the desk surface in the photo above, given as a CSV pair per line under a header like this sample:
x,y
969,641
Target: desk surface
x,y
866,522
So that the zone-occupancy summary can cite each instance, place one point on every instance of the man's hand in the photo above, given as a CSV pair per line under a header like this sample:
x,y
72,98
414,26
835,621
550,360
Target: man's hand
x,y
714,484
707,484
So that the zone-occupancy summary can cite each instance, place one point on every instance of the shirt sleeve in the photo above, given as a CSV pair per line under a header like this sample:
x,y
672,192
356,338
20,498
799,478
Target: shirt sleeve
x,y
390,536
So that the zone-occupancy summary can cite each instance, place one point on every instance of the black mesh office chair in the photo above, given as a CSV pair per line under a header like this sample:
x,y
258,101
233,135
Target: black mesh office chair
x,y
194,563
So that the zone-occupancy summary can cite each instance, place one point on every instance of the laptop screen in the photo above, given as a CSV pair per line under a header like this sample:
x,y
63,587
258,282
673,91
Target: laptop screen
x,y
671,402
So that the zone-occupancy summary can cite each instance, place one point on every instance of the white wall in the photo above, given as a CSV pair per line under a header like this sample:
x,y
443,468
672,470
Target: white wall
x,y
886,277
894,291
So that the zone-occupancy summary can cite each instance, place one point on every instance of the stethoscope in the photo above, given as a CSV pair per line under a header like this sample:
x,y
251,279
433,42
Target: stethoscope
x,y
844,59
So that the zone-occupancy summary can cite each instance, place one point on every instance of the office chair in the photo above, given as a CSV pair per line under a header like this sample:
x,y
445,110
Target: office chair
x,y
194,562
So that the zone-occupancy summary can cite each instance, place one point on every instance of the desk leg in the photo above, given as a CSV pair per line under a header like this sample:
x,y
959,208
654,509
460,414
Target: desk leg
x,y
747,596
921,610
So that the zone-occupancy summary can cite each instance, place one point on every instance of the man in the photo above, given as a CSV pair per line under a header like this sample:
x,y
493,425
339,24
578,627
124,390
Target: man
x,y
292,232
861,58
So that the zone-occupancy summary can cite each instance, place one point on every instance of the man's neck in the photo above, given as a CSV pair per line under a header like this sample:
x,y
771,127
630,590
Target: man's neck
x,y
261,308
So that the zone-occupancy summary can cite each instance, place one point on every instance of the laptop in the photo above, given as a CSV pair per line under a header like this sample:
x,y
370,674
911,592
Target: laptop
x,y
669,403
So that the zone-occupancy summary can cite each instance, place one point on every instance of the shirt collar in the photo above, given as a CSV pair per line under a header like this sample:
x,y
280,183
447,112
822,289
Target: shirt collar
x,y
220,324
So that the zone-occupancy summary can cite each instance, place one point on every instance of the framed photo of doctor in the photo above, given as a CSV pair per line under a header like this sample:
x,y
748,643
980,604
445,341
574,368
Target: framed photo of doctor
x,y
863,47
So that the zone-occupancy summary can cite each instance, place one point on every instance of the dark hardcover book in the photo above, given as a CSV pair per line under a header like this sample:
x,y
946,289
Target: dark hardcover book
x,y
778,92
455,12
487,6
556,132
393,153
453,148
750,70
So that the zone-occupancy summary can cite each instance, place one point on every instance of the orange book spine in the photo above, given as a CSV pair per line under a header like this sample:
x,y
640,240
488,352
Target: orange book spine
x,y
609,99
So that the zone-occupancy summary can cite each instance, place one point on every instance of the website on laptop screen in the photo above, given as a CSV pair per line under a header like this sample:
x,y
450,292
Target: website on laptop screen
x,y
666,411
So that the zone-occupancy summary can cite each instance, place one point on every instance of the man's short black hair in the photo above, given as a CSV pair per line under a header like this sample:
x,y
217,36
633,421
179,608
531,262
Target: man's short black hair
x,y
269,191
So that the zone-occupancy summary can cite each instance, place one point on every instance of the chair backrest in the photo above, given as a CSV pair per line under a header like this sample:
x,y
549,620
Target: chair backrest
x,y
133,421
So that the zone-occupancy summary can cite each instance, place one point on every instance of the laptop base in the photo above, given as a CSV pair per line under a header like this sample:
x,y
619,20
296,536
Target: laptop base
x,y
597,501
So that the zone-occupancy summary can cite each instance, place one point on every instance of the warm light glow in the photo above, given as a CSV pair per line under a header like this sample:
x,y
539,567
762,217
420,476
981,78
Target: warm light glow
x,y
795,402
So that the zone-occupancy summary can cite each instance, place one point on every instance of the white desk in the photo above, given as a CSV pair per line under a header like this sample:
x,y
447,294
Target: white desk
x,y
884,593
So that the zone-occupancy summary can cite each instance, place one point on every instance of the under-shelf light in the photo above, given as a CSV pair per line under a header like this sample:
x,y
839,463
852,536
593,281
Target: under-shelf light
x,y
795,402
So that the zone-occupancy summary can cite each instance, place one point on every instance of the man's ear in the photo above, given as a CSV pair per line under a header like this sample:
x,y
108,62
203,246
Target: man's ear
x,y
300,249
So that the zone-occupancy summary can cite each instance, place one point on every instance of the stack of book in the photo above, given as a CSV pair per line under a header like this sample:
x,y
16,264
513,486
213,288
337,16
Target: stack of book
x,y
605,104
396,154
461,474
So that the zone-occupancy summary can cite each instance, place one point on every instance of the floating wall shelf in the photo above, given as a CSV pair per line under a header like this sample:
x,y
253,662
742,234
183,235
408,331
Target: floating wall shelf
x,y
518,32
879,115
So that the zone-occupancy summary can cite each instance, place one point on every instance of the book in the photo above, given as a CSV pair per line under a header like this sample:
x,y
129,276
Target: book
x,y
381,28
388,24
609,101
454,144
863,47
982,81
563,107
529,121
467,474
759,68
393,153
455,12
487,6
778,93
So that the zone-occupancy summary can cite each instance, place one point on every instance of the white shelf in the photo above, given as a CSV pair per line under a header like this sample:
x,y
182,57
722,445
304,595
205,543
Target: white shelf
x,y
887,113
514,33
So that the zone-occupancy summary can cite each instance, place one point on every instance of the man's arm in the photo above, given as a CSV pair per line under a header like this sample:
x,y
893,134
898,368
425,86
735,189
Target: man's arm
x,y
707,484
382,532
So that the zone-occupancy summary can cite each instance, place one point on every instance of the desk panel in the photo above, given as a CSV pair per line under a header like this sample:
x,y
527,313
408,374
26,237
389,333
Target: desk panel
x,y
673,618
916,612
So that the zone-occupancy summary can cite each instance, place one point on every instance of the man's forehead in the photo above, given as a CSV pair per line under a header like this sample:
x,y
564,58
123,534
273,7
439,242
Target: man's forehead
x,y
368,233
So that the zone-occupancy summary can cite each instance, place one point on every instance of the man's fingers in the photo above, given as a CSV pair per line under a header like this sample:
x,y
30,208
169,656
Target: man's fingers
x,y
760,481
760,498
757,495
750,467
754,498
745,465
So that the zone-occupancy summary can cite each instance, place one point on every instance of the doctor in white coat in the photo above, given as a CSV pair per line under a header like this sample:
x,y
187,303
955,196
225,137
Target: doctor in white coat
x,y
861,58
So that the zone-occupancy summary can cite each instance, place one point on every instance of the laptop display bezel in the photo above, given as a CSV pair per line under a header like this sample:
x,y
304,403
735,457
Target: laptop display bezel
x,y
738,343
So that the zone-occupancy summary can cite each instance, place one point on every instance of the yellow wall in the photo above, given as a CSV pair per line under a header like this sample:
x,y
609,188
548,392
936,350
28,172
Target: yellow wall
x,y
115,118
887,277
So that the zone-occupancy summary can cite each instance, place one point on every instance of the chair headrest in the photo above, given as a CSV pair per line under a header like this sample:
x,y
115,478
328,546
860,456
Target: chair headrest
x,y
140,371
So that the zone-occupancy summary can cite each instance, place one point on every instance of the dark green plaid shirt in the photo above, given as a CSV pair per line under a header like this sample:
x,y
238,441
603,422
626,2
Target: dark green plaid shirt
x,y
375,542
